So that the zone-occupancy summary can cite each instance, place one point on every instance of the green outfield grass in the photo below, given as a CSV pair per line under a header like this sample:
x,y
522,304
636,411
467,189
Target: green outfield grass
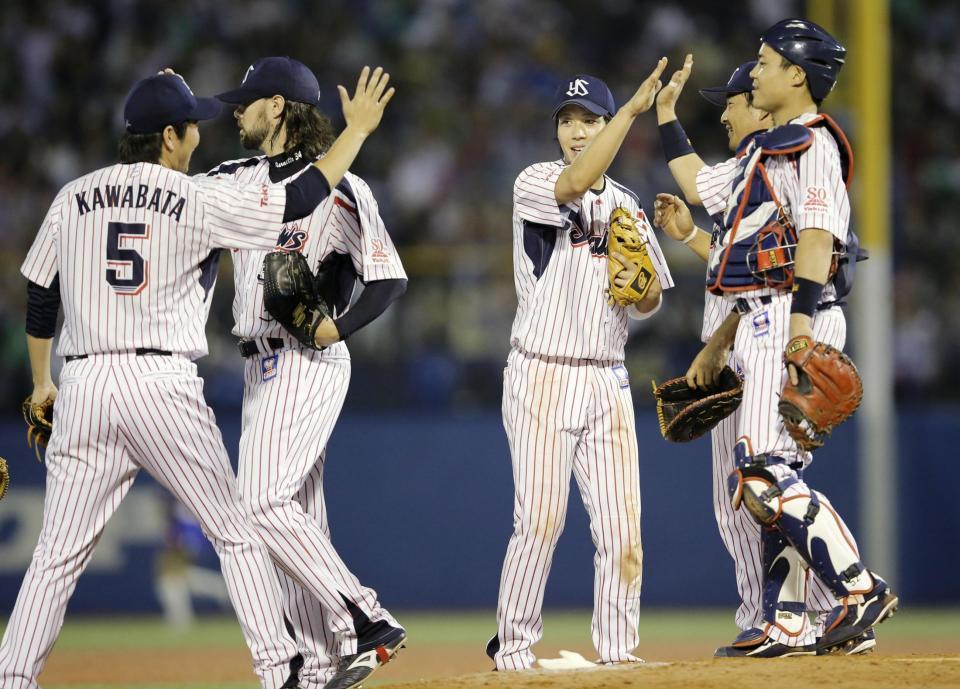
x,y
471,628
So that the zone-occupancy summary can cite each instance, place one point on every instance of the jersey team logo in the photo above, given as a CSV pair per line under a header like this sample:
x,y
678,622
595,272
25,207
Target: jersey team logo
x,y
816,199
578,88
379,254
598,237
291,238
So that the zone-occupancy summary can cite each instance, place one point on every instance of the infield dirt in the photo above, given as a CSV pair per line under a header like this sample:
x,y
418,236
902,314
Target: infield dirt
x,y
900,663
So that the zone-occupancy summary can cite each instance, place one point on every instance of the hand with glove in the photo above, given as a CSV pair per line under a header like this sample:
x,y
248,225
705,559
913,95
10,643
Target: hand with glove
x,y
38,414
629,267
4,477
822,391
686,413
290,295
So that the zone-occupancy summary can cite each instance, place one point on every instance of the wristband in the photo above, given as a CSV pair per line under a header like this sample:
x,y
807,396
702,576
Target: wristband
x,y
690,237
674,140
806,296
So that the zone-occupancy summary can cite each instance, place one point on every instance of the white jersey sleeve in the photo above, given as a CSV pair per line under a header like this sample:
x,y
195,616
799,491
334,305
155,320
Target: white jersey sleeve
x,y
819,199
238,215
40,265
364,236
534,195
713,185
655,252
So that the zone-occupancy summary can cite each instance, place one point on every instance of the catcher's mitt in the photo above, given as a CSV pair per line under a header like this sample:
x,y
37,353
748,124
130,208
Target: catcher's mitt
x,y
625,238
4,478
39,418
686,413
827,392
290,295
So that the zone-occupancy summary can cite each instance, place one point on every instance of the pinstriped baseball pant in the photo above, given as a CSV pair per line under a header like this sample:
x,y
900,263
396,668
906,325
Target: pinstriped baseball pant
x,y
740,534
758,349
116,414
566,416
287,420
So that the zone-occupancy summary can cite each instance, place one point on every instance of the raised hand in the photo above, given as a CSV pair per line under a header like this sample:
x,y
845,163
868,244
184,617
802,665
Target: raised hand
x,y
364,111
668,95
672,216
645,95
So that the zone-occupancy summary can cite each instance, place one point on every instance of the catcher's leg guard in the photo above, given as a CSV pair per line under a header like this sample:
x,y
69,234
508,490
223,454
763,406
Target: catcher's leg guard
x,y
784,590
817,532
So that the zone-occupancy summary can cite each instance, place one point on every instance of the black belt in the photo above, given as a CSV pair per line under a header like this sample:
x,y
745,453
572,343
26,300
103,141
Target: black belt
x,y
139,351
250,348
743,304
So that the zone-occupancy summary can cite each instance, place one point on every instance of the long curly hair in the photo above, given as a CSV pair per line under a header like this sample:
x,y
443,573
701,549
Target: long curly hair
x,y
308,129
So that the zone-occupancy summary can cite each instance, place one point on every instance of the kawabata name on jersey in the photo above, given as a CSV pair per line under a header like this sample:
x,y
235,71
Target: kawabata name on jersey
x,y
160,200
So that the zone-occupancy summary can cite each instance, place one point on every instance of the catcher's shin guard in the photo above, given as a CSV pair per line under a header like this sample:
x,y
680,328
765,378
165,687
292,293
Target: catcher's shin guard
x,y
784,590
806,520
820,536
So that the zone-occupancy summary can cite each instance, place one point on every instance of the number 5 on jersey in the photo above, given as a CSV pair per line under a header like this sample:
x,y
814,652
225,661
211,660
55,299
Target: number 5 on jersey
x,y
127,270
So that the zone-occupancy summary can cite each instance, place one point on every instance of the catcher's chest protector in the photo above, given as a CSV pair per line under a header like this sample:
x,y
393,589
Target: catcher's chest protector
x,y
757,237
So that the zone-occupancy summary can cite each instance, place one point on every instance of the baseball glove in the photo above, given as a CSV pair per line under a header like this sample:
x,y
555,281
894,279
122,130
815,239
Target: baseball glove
x,y
39,418
625,238
686,413
827,393
290,295
4,478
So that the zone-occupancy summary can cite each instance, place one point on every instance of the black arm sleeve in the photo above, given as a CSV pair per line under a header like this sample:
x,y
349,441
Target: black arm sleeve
x,y
43,305
373,301
305,193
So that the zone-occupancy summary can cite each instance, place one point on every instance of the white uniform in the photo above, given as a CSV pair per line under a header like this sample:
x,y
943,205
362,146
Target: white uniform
x,y
739,532
567,408
132,246
292,399
811,189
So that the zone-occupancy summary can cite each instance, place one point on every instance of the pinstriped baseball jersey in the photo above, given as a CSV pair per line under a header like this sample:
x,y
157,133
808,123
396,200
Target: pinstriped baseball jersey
x,y
347,223
135,246
714,184
560,267
809,186
281,461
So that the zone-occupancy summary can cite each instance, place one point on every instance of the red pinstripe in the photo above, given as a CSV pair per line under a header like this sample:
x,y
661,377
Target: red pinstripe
x,y
287,423
115,415
568,417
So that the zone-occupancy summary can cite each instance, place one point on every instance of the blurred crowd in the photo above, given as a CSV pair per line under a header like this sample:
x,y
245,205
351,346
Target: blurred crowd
x,y
474,83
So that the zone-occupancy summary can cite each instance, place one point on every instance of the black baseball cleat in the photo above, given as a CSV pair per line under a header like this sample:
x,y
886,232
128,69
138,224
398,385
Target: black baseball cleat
x,y
747,645
851,619
860,645
353,670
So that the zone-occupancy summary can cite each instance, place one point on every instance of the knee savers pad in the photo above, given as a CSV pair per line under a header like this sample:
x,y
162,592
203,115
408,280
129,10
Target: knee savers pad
x,y
756,489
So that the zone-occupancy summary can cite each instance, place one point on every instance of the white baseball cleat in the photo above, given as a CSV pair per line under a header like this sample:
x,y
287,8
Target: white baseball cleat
x,y
568,660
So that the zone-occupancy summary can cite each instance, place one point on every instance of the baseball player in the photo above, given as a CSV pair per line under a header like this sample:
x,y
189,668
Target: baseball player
x,y
785,213
126,249
739,533
710,185
567,406
282,454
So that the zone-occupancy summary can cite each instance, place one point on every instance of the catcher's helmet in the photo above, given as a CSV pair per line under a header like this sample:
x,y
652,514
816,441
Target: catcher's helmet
x,y
809,46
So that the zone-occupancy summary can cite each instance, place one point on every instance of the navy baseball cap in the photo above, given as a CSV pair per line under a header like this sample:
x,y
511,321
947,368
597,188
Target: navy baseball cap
x,y
164,99
740,82
275,76
588,92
